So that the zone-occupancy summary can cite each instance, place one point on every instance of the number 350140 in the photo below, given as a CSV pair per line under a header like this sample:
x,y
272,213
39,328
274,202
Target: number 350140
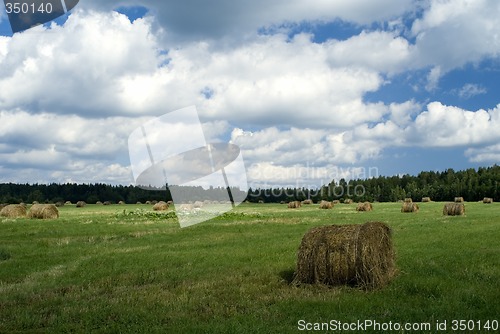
x,y
26,8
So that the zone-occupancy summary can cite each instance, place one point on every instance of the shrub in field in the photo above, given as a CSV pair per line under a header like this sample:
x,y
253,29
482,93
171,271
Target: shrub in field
x,y
43,211
358,255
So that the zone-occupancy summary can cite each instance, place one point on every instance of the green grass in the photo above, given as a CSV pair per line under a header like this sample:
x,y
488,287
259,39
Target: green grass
x,y
102,269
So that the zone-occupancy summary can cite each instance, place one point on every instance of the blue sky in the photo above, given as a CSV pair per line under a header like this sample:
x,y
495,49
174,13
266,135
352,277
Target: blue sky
x,y
332,88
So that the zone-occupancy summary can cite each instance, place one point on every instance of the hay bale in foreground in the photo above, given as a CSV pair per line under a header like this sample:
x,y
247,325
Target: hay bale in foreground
x,y
13,211
408,200
294,204
80,204
409,207
3,205
366,206
160,206
325,205
307,201
358,255
487,200
454,209
459,199
426,199
43,211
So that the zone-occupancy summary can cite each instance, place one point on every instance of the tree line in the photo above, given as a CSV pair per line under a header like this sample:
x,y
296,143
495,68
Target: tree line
x,y
471,184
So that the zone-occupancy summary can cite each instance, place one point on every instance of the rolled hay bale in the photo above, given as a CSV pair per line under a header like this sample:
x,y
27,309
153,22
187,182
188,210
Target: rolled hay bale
x,y
107,203
357,255
294,204
348,201
487,200
261,202
80,204
186,207
138,203
3,205
35,202
426,199
335,202
59,204
198,204
154,202
148,202
459,199
454,209
160,206
170,202
409,207
68,203
13,211
325,205
366,206
307,201
408,200
43,211
121,203
99,203
282,202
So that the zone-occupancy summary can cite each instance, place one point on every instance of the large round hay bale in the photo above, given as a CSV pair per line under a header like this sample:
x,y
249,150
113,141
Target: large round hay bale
x,y
80,204
3,205
294,204
454,209
43,211
459,199
408,200
487,200
357,255
426,199
13,211
307,201
366,206
325,205
160,206
409,207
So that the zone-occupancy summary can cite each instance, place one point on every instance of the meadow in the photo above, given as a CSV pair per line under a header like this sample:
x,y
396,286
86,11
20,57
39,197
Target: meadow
x,y
126,269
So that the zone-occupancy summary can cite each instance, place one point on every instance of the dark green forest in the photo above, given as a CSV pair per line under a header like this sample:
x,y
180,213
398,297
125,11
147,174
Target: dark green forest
x,y
471,184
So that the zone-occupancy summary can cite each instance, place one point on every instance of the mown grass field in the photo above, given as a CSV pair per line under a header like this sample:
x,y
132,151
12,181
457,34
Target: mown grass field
x,y
102,269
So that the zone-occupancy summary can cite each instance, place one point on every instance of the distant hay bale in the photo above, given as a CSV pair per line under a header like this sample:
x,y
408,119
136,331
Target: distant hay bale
x,y
121,203
366,206
170,202
454,209
35,202
99,203
459,199
357,255
261,202
335,202
107,203
408,200
154,202
148,202
325,205
43,211
160,206
80,204
409,207
13,211
282,202
426,199
186,207
60,204
294,204
138,203
487,200
307,201
198,204
348,201
68,203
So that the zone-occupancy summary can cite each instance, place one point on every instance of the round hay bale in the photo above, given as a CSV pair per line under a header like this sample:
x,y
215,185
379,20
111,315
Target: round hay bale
x,y
98,203
426,199
348,201
186,207
454,209
408,200
13,211
107,203
59,204
3,205
487,200
335,202
357,255
80,204
154,202
170,202
294,204
148,202
35,202
43,211
307,201
198,204
68,203
121,203
366,206
409,207
138,203
160,206
325,205
459,199
282,202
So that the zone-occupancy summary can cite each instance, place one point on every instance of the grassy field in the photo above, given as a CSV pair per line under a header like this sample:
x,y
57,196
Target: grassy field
x,y
125,269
